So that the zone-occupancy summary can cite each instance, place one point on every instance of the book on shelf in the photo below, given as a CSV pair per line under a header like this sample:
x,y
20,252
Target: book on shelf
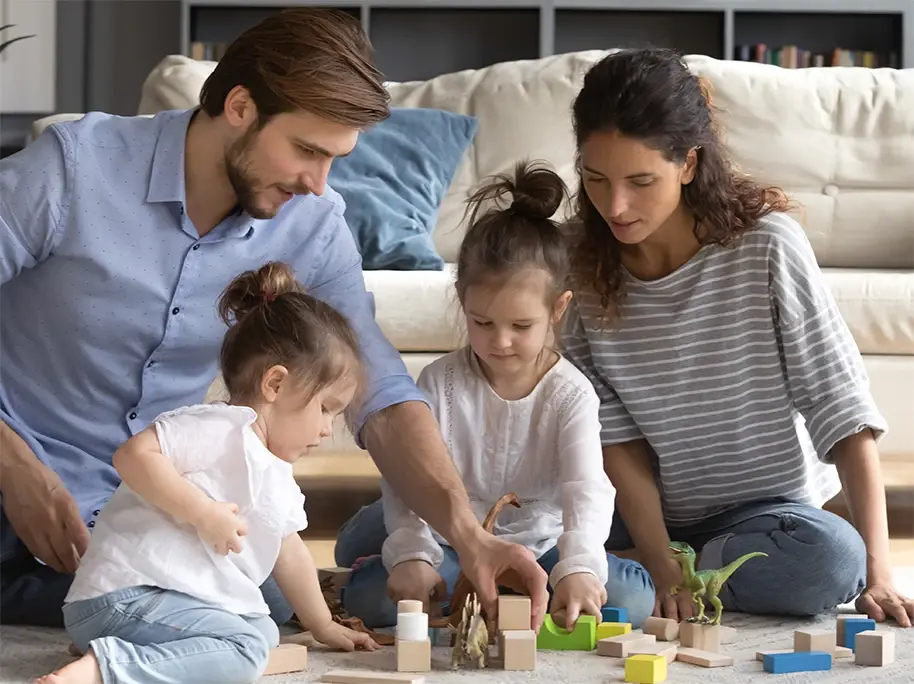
x,y
793,57
211,52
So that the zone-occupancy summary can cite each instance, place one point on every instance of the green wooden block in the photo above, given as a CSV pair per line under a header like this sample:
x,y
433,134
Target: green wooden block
x,y
582,638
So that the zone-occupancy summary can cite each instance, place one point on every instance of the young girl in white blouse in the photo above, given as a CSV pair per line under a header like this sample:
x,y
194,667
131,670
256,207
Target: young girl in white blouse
x,y
169,588
517,417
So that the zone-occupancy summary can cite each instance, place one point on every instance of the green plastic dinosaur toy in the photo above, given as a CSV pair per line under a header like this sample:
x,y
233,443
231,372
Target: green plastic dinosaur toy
x,y
704,583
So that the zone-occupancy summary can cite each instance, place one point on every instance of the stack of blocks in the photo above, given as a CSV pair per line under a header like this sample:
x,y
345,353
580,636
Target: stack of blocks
x,y
414,648
516,639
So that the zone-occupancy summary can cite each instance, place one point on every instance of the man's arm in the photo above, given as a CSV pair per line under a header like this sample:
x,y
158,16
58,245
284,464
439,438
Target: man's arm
x,y
394,421
33,203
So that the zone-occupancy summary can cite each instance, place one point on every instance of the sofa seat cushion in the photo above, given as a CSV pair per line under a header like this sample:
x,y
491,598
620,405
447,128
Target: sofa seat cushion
x,y
878,307
418,311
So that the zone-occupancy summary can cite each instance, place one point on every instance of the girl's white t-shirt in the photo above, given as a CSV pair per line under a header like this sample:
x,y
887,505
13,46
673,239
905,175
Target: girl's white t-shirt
x,y
134,543
544,447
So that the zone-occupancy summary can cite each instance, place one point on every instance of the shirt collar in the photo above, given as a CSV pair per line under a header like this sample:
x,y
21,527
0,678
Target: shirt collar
x,y
166,182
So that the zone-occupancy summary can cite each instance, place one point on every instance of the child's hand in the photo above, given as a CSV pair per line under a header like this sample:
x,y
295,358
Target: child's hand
x,y
335,635
219,526
417,580
576,594
667,574
880,601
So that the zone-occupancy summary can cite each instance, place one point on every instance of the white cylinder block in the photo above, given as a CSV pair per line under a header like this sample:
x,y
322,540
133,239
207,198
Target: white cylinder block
x,y
412,626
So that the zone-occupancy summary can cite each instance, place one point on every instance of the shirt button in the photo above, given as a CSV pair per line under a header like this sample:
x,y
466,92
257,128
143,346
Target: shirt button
x,y
150,364
96,512
175,311
91,523
196,247
133,415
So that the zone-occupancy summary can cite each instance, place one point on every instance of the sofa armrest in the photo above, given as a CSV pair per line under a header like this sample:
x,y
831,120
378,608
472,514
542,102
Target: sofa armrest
x,y
39,125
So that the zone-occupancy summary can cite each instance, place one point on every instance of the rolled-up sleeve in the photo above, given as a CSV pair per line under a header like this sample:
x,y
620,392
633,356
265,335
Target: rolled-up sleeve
x,y
341,284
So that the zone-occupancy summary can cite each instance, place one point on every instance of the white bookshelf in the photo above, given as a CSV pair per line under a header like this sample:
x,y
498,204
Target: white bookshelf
x,y
28,67
417,39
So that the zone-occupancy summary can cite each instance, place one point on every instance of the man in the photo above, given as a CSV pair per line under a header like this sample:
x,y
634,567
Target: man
x,y
117,236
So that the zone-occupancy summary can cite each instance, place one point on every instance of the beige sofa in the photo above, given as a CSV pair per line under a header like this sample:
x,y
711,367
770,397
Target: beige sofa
x,y
840,140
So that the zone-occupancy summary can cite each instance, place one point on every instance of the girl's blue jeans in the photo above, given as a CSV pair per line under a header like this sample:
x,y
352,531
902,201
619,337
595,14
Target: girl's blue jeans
x,y
147,635
365,595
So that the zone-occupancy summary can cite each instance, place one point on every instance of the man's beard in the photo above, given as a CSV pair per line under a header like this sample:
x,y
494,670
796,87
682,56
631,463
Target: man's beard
x,y
244,184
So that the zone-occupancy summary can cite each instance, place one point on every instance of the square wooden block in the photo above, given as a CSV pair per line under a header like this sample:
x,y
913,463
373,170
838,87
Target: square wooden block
x,y
645,669
414,656
621,646
839,625
701,636
517,648
875,648
513,613
814,640
606,630
287,658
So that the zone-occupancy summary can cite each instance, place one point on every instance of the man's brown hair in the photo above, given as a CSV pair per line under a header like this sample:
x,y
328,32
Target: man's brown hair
x,y
316,60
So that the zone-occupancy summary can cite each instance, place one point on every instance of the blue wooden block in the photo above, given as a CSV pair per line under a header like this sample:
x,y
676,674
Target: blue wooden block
x,y
615,614
799,661
853,627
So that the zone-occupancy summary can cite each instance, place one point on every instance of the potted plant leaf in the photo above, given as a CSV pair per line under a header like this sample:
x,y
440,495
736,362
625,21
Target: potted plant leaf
x,y
6,43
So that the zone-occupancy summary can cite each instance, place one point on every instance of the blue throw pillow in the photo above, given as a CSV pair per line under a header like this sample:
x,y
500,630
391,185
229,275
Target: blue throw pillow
x,y
393,183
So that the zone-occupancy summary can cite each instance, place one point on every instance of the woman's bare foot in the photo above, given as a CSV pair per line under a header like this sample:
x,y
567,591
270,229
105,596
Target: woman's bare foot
x,y
82,671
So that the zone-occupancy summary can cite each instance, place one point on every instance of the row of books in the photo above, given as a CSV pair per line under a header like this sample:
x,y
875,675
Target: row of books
x,y
211,52
793,57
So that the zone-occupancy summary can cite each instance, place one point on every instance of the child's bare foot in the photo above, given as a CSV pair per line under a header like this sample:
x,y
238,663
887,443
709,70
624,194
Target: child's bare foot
x,y
82,671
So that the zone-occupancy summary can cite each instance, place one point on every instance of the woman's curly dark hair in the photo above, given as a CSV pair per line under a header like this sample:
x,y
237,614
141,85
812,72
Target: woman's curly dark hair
x,y
651,95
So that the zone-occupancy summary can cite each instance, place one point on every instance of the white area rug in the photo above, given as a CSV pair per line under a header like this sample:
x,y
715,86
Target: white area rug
x,y
26,653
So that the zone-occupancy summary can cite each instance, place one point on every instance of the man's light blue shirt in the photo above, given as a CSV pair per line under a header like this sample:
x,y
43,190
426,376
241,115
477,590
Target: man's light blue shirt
x,y
108,294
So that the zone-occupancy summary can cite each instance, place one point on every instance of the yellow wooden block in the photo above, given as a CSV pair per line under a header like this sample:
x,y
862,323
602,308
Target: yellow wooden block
x,y
645,669
612,629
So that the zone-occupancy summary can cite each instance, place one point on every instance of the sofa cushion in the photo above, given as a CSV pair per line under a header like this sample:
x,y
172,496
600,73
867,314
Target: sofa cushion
x,y
394,181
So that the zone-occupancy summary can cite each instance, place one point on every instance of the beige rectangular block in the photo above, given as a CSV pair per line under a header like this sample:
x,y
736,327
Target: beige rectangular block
x,y
620,646
695,656
842,652
513,613
517,648
875,649
665,629
814,640
701,636
839,625
370,677
760,655
287,658
414,656
660,648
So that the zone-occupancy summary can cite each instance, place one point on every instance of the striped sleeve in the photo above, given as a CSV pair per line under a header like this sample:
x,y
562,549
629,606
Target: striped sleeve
x,y
616,424
824,369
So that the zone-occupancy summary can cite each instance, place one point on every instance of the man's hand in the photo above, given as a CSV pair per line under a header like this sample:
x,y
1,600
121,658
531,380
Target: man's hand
x,y
667,573
882,601
40,509
490,562
220,527
417,580
577,594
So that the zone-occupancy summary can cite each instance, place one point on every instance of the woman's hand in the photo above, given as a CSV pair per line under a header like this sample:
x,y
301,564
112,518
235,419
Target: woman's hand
x,y
667,575
880,601
574,595
417,580
335,635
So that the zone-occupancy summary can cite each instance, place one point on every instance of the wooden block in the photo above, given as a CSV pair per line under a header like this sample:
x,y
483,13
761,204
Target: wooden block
x,y
645,669
517,648
842,652
727,634
802,661
370,677
611,614
412,626
701,636
606,630
695,656
513,613
661,648
875,649
409,606
814,640
286,658
760,655
620,646
583,637
414,656
839,625
852,627
665,629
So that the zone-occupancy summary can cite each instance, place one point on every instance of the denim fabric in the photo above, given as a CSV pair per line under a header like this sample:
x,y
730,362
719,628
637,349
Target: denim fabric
x,y
146,635
816,559
365,595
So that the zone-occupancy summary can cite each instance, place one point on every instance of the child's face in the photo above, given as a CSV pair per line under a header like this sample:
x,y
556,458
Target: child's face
x,y
634,187
292,429
509,324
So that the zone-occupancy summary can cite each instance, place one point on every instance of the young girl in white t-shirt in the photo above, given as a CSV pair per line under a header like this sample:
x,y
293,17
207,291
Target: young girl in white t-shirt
x,y
169,588
517,417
